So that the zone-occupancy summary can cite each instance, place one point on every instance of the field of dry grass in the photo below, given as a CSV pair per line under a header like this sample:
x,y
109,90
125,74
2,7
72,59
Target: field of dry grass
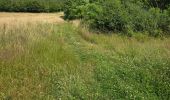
x,y
14,18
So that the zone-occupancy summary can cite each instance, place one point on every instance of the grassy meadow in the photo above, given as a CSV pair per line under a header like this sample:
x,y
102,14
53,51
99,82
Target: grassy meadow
x,y
42,57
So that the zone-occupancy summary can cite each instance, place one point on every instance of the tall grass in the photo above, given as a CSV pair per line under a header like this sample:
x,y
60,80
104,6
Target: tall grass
x,y
60,61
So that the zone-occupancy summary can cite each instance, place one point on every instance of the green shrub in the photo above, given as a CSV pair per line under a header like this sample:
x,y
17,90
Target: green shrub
x,y
90,13
165,21
73,8
128,17
113,17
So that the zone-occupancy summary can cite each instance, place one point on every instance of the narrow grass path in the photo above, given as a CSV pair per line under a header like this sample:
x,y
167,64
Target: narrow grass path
x,y
118,67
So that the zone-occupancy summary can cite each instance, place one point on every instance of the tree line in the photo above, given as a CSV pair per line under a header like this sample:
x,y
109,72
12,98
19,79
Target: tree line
x,y
31,5
151,17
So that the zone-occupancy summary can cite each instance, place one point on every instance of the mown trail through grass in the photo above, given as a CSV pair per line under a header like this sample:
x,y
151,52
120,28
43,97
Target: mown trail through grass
x,y
63,61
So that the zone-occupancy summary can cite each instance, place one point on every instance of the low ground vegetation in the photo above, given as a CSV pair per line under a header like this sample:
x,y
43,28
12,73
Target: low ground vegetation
x,y
62,61
44,57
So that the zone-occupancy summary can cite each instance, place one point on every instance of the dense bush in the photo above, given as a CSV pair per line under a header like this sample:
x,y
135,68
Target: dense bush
x,y
124,16
31,5
73,8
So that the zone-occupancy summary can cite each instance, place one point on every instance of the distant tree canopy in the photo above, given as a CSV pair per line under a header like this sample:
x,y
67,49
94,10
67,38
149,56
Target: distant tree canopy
x,y
32,5
150,17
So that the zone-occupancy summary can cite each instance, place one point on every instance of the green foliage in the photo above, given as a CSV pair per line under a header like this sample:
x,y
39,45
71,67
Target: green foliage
x,y
34,6
122,16
73,8
31,5
90,12
112,17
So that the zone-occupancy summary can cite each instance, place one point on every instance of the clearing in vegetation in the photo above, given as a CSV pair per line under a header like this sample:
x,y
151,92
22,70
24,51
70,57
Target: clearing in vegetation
x,y
43,57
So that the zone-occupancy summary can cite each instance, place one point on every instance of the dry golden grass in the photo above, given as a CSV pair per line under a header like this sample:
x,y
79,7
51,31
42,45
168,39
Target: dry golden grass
x,y
13,18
